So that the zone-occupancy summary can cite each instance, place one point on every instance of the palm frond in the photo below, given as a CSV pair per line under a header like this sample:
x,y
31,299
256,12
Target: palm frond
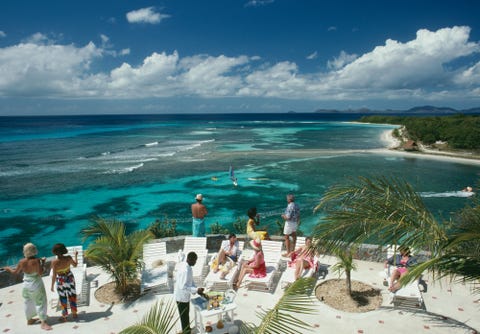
x,y
281,319
159,320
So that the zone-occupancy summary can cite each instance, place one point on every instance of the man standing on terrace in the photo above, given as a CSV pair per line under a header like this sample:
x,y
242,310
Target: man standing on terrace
x,y
199,211
292,220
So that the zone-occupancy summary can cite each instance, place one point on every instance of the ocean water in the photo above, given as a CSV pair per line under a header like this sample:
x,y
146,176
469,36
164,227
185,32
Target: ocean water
x,y
58,173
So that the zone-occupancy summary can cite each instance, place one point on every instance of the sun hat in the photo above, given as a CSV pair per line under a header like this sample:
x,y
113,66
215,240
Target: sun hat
x,y
256,244
199,197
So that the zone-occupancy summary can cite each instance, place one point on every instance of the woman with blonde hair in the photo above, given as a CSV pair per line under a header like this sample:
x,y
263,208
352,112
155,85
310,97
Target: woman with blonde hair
x,y
33,289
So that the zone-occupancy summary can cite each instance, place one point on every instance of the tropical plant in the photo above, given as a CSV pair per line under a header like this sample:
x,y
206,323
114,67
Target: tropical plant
x,y
345,265
379,210
459,257
159,320
216,228
281,319
162,229
116,252
389,212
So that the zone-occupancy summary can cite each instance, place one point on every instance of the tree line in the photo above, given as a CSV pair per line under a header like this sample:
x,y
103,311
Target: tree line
x,y
459,131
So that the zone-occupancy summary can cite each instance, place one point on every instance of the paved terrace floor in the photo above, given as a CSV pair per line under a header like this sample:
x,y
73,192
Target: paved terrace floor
x,y
450,308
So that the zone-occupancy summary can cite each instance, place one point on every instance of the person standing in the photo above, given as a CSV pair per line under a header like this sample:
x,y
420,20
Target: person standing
x,y
184,288
65,280
292,219
199,211
33,289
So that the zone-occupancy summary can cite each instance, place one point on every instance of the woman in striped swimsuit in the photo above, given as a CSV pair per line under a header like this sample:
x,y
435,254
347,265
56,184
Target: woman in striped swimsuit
x,y
65,280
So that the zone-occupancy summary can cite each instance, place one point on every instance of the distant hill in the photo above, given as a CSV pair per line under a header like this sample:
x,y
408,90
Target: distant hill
x,y
414,110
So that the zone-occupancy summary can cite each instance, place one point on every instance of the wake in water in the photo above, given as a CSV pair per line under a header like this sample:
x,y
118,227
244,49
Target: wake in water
x,y
448,194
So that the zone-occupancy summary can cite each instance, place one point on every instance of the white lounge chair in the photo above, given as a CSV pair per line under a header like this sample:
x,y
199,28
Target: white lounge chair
x,y
408,296
199,246
288,276
213,280
155,274
272,255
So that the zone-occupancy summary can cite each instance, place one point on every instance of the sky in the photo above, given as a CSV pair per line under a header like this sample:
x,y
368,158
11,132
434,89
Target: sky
x,y
222,56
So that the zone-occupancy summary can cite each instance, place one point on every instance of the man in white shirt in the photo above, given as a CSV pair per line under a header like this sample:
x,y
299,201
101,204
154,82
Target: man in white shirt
x,y
184,288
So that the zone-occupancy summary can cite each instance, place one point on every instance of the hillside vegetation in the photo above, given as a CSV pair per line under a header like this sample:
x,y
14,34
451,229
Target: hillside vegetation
x,y
458,131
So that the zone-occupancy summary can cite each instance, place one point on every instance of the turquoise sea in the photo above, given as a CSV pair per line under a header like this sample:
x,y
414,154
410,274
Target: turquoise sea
x,y
58,172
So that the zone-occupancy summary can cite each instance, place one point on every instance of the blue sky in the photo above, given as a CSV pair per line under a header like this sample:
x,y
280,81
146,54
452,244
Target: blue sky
x,y
179,56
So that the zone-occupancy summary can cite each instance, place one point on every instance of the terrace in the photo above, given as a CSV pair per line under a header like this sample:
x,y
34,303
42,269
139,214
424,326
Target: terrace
x,y
449,307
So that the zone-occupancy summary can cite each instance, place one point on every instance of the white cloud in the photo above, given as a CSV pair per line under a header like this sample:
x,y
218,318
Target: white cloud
x,y
145,15
422,68
2,34
312,56
340,61
258,3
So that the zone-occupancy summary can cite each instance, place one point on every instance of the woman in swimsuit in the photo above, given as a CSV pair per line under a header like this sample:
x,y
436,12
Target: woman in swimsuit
x,y
33,289
402,261
65,280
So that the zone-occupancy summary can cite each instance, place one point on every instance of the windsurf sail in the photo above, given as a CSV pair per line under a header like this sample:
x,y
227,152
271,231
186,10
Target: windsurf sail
x,y
232,176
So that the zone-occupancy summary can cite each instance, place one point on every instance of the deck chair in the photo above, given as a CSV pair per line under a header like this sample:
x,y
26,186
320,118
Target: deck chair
x,y
272,255
408,296
155,273
288,276
199,246
80,274
213,280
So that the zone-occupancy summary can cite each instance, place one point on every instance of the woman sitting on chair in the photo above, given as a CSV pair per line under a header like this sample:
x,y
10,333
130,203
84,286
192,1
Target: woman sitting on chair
x,y
402,262
255,266
253,220
302,258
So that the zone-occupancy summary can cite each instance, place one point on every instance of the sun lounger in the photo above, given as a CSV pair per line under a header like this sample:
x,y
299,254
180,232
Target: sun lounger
x,y
213,280
288,276
272,255
199,246
155,273
408,296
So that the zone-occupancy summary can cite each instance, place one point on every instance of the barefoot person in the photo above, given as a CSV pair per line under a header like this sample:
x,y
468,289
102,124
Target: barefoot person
x,y
228,251
302,258
292,219
33,289
255,267
199,211
65,280
402,262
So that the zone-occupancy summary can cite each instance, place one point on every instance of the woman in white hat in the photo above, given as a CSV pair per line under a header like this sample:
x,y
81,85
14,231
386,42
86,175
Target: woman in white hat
x,y
255,267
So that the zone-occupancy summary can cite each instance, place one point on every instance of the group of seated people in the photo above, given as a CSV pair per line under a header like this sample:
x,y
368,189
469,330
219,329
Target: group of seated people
x,y
301,258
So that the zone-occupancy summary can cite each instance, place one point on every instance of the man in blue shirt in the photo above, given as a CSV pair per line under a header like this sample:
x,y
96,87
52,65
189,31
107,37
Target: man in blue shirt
x,y
292,219
184,288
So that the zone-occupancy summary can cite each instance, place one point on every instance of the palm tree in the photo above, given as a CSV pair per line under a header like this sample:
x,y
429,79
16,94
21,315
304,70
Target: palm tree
x,y
281,319
389,211
159,320
385,210
117,253
346,265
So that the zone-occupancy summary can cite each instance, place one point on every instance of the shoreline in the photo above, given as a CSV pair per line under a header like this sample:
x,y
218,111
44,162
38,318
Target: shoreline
x,y
393,147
